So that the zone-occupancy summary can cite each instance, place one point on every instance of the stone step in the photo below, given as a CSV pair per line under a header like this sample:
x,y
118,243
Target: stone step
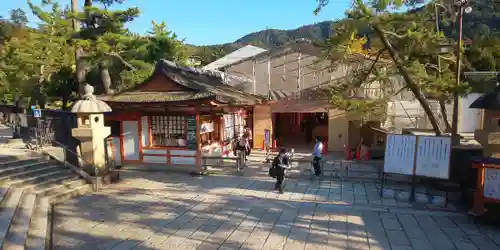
x,y
18,231
39,226
55,180
8,209
19,162
61,187
16,177
7,159
22,167
3,193
39,177
68,194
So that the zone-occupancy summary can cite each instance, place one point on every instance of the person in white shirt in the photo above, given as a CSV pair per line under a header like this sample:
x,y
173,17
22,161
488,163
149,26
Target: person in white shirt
x,y
318,149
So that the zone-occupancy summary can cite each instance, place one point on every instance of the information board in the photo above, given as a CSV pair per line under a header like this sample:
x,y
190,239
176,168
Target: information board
x,y
37,113
267,137
433,157
191,132
400,154
492,183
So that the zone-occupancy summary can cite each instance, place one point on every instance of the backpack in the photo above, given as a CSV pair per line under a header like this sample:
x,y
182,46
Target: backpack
x,y
273,170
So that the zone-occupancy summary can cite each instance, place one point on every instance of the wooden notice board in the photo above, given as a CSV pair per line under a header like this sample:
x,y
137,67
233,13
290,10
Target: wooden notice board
x,y
492,183
191,132
400,154
433,157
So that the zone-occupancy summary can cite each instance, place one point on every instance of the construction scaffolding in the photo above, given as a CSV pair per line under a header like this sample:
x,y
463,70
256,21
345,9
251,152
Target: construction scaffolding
x,y
290,73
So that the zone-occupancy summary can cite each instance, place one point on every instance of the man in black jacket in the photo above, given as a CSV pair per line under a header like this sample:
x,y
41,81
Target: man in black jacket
x,y
280,163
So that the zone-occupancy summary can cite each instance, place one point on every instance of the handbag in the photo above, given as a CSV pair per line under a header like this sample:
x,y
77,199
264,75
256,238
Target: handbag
x,y
273,172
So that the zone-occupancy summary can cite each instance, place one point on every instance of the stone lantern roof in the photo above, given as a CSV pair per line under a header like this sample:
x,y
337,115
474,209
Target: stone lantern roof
x,y
89,103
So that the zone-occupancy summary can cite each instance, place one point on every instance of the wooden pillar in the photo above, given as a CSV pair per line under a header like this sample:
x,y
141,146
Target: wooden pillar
x,y
254,82
198,141
262,120
269,75
298,77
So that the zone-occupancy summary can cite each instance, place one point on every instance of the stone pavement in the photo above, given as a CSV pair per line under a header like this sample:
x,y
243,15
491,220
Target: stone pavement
x,y
176,211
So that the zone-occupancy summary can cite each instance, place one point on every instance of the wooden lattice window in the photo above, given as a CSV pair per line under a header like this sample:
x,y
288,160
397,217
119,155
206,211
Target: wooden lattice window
x,y
238,125
228,126
166,130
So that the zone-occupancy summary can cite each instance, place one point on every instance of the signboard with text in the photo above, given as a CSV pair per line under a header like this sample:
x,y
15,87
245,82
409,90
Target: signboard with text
x,y
191,132
400,154
433,157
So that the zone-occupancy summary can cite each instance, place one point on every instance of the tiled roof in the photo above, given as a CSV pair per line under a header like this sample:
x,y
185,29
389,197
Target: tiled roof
x,y
151,97
315,93
200,84
238,55
275,95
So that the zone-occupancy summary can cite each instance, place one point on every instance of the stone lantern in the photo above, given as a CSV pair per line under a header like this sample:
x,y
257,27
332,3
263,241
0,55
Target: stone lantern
x,y
489,135
90,130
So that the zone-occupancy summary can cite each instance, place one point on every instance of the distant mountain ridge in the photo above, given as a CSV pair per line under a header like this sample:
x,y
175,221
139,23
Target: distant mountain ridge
x,y
273,38
483,21
266,39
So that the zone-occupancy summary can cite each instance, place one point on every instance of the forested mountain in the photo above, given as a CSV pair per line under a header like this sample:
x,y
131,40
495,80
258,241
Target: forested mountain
x,y
483,21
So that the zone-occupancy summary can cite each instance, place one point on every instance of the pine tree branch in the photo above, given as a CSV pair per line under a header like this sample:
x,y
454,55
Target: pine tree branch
x,y
394,34
398,61
117,56
367,74
451,59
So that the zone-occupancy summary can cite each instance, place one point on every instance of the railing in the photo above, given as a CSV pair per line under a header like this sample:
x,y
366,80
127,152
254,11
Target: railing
x,y
344,169
66,164
239,161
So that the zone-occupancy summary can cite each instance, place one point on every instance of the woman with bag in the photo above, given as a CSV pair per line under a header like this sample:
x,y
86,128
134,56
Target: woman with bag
x,y
243,146
279,165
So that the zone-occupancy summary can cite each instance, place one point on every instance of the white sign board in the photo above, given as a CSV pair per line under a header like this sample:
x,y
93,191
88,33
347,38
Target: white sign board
x,y
492,183
37,113
433,157
400,154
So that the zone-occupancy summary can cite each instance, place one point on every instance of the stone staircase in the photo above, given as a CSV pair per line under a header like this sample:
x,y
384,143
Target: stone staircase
x,y
28,186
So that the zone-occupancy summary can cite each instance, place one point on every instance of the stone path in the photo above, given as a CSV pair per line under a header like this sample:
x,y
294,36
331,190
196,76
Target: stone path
x,y
175,211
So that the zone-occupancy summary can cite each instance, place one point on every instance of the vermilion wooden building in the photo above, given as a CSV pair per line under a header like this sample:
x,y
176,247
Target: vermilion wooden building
x,y
176,116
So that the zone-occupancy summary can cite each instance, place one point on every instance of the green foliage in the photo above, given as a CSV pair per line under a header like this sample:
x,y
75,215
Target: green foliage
x,y
18,17
41,62
29,62
160,43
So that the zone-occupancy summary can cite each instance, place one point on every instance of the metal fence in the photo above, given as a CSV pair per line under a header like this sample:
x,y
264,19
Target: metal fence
x,y
340,169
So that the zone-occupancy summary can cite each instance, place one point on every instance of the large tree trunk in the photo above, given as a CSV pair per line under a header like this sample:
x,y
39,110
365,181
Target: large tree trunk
x,y
81,71
406,76
80,67
442,107
105,78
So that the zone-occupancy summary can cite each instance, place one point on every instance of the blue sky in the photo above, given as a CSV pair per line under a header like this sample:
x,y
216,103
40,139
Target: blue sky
x,y
203,22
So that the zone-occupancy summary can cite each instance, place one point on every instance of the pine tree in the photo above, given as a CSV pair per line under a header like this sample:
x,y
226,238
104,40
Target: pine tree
x,y
29,63
101,36
403,45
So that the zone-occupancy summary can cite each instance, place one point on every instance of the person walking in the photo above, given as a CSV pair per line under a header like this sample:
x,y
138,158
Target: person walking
x,y
248,133
318,149
280,163
244,146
